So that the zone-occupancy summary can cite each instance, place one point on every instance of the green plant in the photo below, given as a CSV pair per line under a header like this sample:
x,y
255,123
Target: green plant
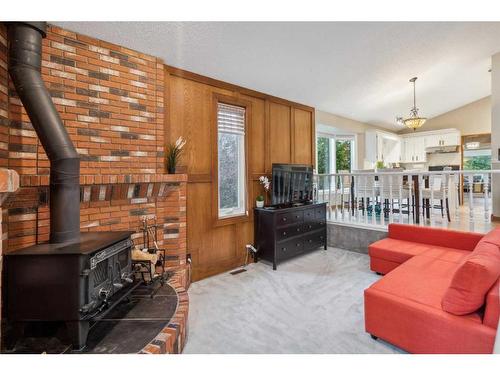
x,y
174,151
260,198
380,164
477,163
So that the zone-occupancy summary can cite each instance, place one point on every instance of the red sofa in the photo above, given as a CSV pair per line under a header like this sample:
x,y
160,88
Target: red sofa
x,y
432,281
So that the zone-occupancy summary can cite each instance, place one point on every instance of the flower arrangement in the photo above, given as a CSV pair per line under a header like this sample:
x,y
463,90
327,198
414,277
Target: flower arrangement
x,y
174,151
264,181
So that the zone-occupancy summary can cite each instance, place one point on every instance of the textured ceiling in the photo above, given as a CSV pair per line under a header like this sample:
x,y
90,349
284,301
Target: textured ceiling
x,y
358,70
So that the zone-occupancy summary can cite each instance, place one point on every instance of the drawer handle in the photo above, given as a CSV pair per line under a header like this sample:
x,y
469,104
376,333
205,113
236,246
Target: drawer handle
x,y
284,233
284,219
310,241
296,216
298,229
310,226
283,248
297,244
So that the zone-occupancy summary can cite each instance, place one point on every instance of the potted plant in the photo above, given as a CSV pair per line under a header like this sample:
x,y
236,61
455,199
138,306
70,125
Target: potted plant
x,y
379,165
174,151
259,201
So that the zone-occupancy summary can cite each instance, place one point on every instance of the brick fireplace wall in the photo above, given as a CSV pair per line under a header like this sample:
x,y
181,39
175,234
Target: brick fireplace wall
x,y
111,101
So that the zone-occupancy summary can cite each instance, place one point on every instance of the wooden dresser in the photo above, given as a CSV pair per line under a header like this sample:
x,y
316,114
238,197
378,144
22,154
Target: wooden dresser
x,y
283,233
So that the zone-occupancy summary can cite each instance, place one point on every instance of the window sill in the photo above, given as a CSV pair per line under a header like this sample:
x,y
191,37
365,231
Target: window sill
x,y
228,220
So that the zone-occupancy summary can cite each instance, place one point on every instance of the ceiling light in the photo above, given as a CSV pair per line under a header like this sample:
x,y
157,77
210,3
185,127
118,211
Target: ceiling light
x,y
414,121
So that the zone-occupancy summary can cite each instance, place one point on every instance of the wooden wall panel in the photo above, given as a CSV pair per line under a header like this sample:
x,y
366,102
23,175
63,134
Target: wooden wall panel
x,y
303,136
279,132
257,135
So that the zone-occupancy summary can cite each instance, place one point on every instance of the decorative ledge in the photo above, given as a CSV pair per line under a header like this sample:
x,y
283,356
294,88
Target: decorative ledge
x,y
29,181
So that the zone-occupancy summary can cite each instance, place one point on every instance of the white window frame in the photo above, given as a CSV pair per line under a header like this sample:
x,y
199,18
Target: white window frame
x,y
241,209
332,137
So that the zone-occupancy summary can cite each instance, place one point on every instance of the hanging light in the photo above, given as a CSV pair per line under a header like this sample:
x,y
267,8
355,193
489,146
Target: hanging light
x,y
414,121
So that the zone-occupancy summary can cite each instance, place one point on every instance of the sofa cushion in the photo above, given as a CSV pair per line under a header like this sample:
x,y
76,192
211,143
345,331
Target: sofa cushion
x,y
423,280
492,236
447,254
472,280
400,251
435,236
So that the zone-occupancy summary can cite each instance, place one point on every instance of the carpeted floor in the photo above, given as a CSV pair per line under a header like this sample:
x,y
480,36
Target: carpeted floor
x,y
311,304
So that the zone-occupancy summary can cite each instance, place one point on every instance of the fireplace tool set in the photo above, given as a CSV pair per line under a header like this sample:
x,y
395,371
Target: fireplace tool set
x,y
149,262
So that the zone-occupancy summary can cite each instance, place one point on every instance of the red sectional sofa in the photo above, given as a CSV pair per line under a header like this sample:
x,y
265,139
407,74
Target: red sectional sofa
x,y
440,292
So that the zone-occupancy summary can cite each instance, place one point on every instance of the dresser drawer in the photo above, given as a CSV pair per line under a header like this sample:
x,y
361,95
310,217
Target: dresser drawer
x,y
311,226
287,249
290,218
314,240
289,231
320,213
310,214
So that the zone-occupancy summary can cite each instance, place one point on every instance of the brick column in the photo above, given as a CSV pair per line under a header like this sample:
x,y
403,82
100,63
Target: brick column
x,y
9,183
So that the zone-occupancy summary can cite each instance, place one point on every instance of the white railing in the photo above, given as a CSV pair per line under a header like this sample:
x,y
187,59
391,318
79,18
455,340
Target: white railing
x,y
456,199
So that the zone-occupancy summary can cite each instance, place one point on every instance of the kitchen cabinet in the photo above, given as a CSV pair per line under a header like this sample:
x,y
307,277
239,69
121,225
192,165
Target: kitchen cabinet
x,y
414,150
382,146
447,137
415,144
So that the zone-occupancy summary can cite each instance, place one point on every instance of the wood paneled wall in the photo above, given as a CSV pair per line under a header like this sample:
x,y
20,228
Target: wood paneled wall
x,y
280,132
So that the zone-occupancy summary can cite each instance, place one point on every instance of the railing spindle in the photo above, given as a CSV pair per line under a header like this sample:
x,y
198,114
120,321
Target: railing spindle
x,y
486,200
471,197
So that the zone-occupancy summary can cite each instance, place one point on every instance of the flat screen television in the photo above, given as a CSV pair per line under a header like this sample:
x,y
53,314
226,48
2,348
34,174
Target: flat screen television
x,y
291,184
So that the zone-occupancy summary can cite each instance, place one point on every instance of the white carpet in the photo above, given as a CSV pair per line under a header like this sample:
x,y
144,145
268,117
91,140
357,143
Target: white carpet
x,y
311,304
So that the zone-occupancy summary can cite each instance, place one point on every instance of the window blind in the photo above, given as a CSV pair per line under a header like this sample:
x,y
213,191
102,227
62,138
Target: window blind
x,y
231,119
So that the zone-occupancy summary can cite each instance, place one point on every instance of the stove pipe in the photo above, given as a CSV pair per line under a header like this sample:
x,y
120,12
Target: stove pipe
x,y
25,55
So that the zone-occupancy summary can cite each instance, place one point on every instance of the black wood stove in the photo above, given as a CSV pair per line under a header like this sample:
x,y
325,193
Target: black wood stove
x,y
70,282
76,276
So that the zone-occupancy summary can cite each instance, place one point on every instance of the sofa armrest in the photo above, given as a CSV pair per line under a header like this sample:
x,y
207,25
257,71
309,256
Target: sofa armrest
x,y
435,236
492,306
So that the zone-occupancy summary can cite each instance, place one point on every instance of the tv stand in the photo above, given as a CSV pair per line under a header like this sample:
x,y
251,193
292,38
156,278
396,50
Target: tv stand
x,y
285,232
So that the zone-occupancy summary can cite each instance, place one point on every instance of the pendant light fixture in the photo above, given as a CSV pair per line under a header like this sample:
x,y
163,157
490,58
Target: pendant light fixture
x,y
414,121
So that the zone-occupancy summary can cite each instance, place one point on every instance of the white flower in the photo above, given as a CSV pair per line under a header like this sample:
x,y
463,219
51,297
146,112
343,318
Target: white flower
x,y
265,181
180,142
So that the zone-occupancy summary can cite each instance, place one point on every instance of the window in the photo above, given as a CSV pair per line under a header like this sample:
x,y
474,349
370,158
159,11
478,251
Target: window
x,y
231,163
335,153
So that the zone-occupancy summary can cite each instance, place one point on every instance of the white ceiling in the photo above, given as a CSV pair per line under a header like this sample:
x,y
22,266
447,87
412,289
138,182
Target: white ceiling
x,y
358,70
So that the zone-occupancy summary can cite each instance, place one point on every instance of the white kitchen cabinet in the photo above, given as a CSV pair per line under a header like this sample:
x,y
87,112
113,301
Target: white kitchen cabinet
x,y
415,144
382,146
446,137
414,149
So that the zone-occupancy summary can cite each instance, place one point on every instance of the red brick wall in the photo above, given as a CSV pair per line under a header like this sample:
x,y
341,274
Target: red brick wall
x,y
4,142
110,99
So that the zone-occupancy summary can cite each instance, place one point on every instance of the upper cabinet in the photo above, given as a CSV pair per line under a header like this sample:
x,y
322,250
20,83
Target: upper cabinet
x,y
415,145
447,137
413,149
382,146
407,148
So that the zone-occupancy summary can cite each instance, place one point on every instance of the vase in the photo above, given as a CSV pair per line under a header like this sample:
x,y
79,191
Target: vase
x,y
259,204
171,169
